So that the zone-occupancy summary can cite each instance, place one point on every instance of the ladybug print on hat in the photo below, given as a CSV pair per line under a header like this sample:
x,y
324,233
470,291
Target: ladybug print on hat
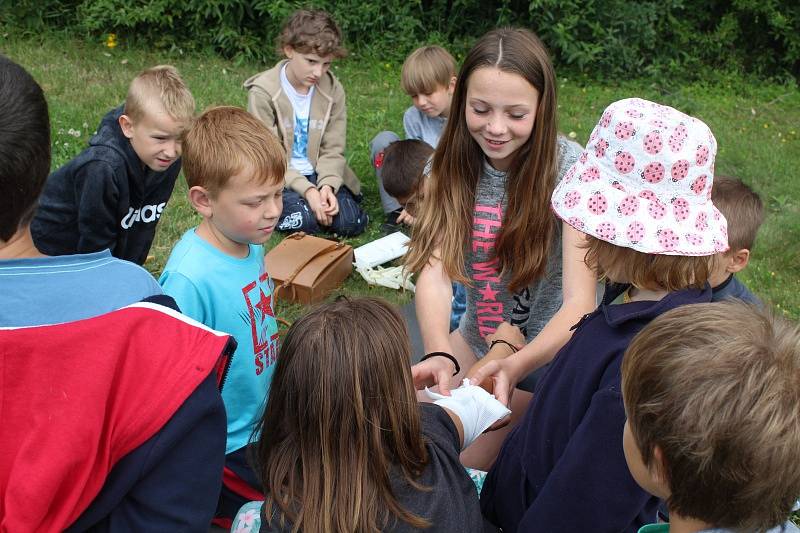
x,y
699,184
597,203
635,231
694,239
600,148
680,208
628,206
572,199
624,162
606,231
667,239
590,174
644,181
647,194
653,143
575,222
679,170
701,222
624,130
657,209
653,172
701,157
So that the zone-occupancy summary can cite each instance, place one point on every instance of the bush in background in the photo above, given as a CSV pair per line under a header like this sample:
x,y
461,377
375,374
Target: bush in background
x,y
602,39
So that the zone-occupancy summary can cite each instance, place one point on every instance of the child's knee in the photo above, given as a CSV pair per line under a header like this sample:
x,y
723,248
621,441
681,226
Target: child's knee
x,y
350,221
298,217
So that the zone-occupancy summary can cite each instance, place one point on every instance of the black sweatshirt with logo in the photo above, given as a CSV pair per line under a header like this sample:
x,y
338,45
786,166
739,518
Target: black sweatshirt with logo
x,y
104,198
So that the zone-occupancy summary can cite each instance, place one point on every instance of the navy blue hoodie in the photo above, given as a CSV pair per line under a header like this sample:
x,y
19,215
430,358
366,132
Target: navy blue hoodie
x,y
104,198
563,467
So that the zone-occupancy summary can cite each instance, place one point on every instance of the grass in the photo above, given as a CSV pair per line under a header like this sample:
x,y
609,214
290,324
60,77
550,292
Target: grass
x,y
757,126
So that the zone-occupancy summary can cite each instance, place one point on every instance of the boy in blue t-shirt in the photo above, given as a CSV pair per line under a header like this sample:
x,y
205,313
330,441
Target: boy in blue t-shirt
x,y
234,168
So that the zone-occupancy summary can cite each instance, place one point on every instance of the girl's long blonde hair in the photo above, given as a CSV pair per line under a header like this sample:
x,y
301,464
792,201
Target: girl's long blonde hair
x,y
342,414
445,217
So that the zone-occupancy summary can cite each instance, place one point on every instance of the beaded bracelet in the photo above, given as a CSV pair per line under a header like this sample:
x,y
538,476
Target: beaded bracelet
x,y
514,349
443,354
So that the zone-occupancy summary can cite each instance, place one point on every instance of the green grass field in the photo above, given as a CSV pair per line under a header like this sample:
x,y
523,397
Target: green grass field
x,y
757,126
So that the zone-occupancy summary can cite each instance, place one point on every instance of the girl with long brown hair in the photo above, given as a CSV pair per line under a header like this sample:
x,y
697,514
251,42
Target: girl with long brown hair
x,y
345,446
486,222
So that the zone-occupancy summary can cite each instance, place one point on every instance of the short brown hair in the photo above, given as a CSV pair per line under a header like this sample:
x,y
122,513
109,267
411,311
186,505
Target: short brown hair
x,y
646,271
716,387
225,140
742,208
403,163
312,31
426,69
160,85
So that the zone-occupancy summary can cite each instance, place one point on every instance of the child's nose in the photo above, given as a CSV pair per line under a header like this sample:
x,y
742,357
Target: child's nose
x,y
495,126
171,149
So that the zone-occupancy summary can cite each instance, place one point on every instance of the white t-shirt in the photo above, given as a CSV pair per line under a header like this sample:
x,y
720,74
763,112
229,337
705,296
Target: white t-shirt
x,y
301,104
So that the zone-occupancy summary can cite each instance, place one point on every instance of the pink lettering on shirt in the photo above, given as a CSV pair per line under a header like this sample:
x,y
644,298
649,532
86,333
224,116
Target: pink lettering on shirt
x,y
486,223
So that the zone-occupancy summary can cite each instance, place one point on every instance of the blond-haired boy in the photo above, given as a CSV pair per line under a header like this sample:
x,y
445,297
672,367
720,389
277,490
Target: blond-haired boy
x,y
113,193
743,209
713,406
303,104
234,168
429,78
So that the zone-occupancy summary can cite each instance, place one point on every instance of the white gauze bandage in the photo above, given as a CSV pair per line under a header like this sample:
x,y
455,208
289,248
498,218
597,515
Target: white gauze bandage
x,y
476,408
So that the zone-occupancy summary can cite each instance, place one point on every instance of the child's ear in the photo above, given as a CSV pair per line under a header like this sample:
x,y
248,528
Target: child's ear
x,y
451,87
126,124
200,199
658,469
739,260
288,51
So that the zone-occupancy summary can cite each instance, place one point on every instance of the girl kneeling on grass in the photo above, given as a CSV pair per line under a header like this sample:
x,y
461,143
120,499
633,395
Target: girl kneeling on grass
x,y
344,444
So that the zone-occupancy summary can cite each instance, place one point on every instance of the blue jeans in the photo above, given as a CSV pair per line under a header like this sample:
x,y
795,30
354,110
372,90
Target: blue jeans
x,y
459,304
297,216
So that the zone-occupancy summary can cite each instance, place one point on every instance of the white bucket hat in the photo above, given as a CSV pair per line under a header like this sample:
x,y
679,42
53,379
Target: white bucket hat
x,y
644,182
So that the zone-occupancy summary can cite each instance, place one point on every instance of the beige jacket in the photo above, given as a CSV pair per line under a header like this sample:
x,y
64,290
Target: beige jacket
x,y
327,127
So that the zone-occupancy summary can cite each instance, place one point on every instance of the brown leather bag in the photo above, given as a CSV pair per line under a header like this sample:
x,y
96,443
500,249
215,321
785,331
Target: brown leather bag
x,y
306,268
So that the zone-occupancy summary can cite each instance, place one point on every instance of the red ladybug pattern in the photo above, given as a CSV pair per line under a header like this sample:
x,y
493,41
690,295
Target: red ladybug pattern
x,y
628,205
653,172
624,162
653,143
590,174
624,130
597,203
630,202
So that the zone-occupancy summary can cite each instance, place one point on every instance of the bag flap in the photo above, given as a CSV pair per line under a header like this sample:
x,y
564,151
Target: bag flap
x,y
320,264
298,250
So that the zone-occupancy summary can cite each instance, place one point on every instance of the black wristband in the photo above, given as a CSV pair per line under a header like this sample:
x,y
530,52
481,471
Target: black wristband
x,y
503,341
443,354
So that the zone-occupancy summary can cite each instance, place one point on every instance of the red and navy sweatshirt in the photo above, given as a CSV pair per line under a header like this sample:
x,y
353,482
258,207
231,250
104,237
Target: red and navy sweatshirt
x,y
562,469
113,423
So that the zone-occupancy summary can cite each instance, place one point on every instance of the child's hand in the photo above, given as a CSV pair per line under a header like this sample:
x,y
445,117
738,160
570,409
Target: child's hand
x,y
405,218
433,371
508,333
503,374
329,200
314,199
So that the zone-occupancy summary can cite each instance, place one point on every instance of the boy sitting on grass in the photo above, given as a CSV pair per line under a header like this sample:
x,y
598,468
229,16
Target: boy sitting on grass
x,y
113,193
744,211
234,168
429,78
303,104
713,404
